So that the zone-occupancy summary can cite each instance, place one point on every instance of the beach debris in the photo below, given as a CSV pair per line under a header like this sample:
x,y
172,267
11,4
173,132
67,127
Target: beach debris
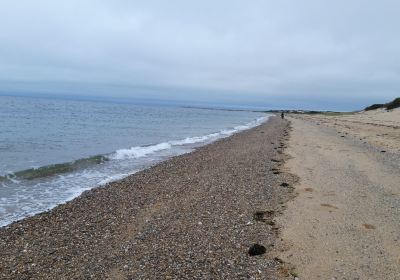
x,y
257,249
263,215
284,184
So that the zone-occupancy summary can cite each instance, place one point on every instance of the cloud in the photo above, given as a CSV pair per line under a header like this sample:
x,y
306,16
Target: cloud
x,y
249,49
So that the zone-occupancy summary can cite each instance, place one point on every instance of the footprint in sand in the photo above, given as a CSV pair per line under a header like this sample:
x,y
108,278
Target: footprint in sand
x,y
368,226
329,205
330,193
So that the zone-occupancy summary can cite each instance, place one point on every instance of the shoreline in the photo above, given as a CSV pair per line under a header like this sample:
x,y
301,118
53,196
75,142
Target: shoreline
x,y
143,157
189,216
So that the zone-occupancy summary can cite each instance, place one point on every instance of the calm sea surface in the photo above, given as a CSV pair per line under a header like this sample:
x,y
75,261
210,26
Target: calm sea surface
x,y
51,150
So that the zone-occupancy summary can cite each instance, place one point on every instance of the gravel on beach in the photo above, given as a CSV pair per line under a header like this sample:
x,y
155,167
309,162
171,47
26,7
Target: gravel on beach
x,y
194,216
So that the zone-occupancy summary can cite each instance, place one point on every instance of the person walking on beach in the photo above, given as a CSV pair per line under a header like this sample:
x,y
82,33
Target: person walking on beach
x,y
282,115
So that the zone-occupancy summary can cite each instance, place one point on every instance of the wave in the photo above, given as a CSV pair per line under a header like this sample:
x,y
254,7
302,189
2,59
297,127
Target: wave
x,y
142,151
193,140
139,151
54,169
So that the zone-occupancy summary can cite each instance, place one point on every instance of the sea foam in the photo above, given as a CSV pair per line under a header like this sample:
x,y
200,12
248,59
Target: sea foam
x,y
142,151
139,151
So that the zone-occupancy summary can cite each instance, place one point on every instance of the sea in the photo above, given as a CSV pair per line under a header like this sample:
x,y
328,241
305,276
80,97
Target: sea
x,y
52,149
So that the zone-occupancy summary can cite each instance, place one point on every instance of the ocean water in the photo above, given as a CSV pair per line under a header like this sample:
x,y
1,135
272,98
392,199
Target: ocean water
x,y
51,150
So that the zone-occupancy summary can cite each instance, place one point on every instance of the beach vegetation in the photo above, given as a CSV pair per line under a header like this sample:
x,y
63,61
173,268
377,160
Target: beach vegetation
x,y
388,106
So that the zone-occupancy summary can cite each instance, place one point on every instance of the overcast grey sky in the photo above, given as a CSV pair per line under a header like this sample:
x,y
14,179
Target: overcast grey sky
x,y
298,52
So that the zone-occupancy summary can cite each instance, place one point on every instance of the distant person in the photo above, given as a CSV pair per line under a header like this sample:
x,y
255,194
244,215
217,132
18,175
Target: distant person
x,y
282,115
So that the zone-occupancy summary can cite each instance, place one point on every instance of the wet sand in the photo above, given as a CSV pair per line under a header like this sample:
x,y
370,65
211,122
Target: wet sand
x,y
194,216
344,223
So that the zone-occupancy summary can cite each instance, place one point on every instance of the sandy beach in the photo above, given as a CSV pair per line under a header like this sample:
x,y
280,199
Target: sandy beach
x,y
344,223
197,215
194,216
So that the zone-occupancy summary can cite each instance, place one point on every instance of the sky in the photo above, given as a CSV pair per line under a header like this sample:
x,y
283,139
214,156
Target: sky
x,y
338,55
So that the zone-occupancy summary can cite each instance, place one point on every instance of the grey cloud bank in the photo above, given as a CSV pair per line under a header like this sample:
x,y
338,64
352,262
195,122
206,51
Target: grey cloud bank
x,y
317,54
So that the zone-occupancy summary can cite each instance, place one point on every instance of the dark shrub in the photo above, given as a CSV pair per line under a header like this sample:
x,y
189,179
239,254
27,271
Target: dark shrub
x,y
374,107
394,104
389,106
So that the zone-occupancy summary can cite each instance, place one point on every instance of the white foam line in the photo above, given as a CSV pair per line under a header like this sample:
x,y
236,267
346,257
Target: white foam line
x,y
139,151
142,151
